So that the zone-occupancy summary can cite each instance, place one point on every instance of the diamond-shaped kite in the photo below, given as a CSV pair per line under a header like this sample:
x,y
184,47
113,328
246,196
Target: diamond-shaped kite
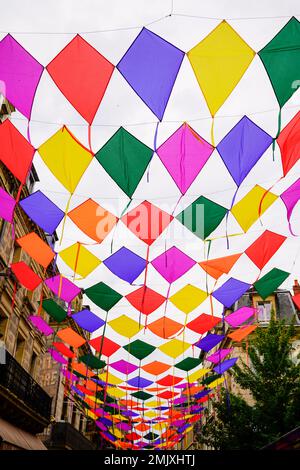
x,y
219,61
184,154
93,220
147,221
242,147
82,75
150,66
202,217
172,264
42,211
66,158
125,159
15,151
281,58
125,264
20,74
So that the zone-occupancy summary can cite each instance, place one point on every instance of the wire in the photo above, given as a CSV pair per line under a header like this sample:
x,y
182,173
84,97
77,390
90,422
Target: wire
x,y
128,28
148,123
159,198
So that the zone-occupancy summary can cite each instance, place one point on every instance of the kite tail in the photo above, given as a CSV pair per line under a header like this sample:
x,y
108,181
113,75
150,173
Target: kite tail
x,y
90,138
144,291
155,150
264,196
28,132
65,218
227,216
115,227
278,132
212,133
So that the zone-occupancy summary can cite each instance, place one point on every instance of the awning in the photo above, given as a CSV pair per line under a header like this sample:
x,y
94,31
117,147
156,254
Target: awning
x,y
22,439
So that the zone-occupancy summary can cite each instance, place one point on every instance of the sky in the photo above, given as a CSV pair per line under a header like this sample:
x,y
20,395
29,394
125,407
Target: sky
x,y
44,28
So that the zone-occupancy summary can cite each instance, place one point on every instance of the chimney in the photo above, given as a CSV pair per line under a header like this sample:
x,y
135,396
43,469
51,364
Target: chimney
x,y
296,287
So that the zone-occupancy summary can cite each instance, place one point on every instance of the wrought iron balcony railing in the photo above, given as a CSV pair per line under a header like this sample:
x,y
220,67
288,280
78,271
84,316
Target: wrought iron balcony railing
x,y
20,384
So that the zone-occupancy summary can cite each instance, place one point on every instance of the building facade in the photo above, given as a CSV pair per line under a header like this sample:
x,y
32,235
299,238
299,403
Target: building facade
x,y
32,386
25,407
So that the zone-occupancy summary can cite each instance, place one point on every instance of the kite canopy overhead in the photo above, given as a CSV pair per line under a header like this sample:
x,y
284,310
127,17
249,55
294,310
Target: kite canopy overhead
x,y
251,206
103,296
147,221
219,61
281,58
15,151
79,259
125,326
20,74
145,300
28,278
54,310
124,367
125,159
139,349
188,298
156,367
93,220
165,327
66,158
289,144
7,206
125,264
240,316
172,264
82,75
270,282
242,147
150,66
264,247
88,320
223,366
218,266
104,345
184,154
230,291
42,211
63,288
209,342
290,198
203,323
202,217
36,248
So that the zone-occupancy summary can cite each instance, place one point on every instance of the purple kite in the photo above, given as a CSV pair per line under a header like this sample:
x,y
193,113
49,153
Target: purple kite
x,y
20,74
42,211
150,66
125,264
242,147
230,291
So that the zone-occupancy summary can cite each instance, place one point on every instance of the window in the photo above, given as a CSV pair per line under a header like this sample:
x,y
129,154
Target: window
x,y
33,364
20,345
264,311
3,324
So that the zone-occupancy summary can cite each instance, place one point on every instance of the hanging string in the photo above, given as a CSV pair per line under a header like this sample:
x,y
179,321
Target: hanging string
x,y
278,132
155,150
90,138
144,290
65,218
212,134
227,217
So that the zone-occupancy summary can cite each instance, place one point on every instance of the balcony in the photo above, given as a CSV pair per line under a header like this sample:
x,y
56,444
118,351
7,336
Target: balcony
x,y
22,400
65,437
